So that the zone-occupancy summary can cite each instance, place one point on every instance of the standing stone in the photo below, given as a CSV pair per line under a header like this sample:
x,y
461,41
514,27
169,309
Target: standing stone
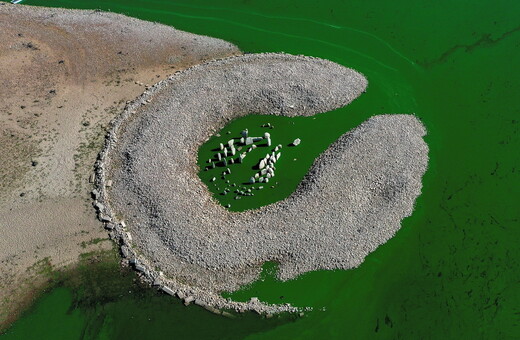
x,y
244,133
225,152
233,150
219,156
268,141
262,164
252,180
230,142
249,140
267,135
296,142
225,162
278,155
221,146
213,165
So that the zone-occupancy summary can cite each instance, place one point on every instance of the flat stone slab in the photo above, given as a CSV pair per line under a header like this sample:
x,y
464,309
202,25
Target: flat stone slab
x,y
352,200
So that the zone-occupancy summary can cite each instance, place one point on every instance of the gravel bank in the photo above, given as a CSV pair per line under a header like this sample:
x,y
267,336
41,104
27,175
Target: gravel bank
x,y
352,200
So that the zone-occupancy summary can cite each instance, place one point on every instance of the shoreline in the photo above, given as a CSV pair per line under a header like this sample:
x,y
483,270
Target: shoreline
x,y
50,278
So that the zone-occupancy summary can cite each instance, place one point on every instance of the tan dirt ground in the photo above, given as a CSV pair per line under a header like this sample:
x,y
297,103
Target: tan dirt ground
x,y
64,75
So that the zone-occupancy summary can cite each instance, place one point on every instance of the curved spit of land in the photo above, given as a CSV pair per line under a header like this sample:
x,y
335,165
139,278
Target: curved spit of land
x,y
351,201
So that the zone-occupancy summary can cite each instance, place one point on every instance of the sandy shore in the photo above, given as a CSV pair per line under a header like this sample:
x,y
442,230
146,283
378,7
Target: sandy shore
x,y
64,75
174,232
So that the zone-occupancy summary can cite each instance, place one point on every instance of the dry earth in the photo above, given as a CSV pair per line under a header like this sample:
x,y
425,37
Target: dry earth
x,y
64,75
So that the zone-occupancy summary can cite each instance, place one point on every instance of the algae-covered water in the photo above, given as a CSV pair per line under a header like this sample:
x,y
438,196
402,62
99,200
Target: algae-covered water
x,y
452,271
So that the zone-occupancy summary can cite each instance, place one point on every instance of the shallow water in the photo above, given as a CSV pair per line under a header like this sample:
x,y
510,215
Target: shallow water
x,y
452,270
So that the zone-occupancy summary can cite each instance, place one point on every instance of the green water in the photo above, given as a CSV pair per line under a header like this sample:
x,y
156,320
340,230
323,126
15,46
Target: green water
x,y
452,271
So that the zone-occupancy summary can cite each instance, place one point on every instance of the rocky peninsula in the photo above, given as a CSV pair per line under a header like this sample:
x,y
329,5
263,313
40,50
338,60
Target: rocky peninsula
x,y
170,228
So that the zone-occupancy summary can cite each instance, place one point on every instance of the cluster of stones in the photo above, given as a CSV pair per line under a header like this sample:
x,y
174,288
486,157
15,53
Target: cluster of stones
x,y
227,156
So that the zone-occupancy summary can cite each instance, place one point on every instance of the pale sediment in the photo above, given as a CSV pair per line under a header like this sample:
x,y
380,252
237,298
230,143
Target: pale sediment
x,y
64,75
352,200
